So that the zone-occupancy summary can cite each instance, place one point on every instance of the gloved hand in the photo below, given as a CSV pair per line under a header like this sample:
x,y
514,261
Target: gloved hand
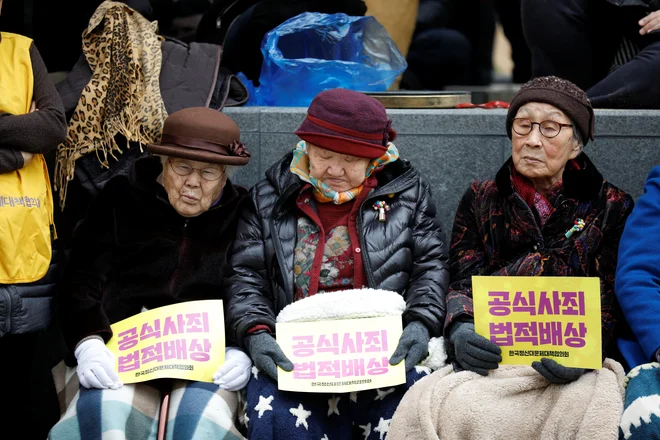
x,y
413,345
267,354
96,365
557,373
473,351
234,373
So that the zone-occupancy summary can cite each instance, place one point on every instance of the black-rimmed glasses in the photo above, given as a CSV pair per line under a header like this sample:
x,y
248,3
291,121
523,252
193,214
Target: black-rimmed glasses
x,y
548,129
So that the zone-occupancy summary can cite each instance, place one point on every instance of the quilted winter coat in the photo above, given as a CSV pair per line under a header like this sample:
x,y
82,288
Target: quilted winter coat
x,y
405,254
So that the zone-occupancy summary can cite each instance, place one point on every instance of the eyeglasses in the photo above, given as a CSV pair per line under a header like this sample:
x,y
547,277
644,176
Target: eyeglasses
x,y
183,169
548,129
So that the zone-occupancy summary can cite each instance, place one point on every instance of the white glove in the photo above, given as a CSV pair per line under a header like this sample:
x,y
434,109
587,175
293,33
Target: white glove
x,y
234,374
96,365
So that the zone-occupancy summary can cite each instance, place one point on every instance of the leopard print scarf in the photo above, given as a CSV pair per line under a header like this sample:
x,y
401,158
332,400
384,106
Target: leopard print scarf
x,y
123,51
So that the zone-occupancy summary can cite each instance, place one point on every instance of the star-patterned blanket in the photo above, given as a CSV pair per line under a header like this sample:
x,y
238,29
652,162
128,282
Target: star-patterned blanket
x,y
272,414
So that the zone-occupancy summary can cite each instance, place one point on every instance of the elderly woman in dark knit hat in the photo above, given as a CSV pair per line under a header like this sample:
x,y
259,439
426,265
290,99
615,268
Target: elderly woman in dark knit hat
x,y
517,225
313,231
156,237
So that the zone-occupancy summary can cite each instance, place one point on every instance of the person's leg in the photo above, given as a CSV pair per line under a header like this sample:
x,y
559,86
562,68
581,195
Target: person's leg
x,y
129,412
510,17
476,20
201,410
274,414
633,85
17,352
439,57
572,39
372,410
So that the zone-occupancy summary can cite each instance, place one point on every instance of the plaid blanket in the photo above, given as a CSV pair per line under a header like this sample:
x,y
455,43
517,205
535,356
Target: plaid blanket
x,y
197,410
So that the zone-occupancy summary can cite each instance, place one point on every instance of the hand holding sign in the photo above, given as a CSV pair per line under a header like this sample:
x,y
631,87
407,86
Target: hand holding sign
x,y
557,373
413,345
267,354
96,365
473,351
234,373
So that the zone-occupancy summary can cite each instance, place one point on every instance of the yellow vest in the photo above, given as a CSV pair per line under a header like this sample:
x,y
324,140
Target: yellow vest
x,y
26,200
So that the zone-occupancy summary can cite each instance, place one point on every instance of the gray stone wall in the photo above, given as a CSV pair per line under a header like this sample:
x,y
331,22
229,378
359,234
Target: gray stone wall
x,y
454,147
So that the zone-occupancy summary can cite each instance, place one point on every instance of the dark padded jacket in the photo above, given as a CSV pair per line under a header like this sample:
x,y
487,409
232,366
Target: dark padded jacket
x,y
134,250
406,253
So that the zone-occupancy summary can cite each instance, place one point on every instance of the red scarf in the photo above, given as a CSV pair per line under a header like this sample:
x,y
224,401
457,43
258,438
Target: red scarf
x,y
534,199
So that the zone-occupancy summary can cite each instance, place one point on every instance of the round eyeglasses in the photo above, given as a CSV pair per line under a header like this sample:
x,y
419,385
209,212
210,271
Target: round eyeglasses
x,y
548,129
183,169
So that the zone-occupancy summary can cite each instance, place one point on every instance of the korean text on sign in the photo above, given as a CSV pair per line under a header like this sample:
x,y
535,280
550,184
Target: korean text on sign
x,y
183,341
535,317
340,356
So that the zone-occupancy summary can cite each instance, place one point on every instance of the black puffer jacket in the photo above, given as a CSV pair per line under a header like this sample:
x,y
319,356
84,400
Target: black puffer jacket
x,y
406,253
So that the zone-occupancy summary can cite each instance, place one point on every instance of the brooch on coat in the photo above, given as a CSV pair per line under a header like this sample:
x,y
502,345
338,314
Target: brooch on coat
x,y
577,226
382,208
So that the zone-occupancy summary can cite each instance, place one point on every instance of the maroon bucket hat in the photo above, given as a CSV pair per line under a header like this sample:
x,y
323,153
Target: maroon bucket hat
x,y
347,122
204,135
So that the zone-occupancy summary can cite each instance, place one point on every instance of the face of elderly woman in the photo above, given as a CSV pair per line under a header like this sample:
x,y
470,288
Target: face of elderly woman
x,y
192,186
340,172
541,158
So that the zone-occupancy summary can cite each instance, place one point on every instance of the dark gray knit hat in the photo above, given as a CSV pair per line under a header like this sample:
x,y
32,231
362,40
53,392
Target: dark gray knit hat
x,y
561,93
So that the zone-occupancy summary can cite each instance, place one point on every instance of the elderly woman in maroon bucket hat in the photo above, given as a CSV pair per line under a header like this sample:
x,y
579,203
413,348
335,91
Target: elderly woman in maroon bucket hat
x,y
341,213
156,237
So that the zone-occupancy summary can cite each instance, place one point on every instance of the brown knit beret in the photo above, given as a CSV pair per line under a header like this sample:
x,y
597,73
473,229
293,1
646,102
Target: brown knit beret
x,y
561,93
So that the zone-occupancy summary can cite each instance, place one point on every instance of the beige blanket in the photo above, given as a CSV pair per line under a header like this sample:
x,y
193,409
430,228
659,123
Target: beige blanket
x,y
513,402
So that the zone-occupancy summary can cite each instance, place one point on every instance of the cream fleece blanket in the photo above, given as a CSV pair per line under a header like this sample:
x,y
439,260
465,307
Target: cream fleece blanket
x,y
512,402
354,304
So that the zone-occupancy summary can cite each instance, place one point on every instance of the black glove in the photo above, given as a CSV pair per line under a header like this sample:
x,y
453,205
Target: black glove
x,y
473,351
413,345
267,354
557,373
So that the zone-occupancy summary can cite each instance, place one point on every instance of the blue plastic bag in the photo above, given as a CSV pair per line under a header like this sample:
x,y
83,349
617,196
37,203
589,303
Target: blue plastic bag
x,y
313,52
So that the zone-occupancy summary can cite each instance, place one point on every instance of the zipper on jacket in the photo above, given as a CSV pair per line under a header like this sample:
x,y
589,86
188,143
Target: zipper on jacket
x,y
279,254
275,215
365,255
182,252
392,188
9,306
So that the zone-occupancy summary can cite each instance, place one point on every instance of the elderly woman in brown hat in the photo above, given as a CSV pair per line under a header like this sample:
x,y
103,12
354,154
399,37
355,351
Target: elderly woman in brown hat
x,y
156,237
548,212
342,212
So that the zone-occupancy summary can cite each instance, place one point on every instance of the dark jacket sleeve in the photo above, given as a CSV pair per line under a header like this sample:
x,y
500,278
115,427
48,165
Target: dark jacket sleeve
x,y
80,291
637,283
248,289
10,160
40,131
427,287
467,258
